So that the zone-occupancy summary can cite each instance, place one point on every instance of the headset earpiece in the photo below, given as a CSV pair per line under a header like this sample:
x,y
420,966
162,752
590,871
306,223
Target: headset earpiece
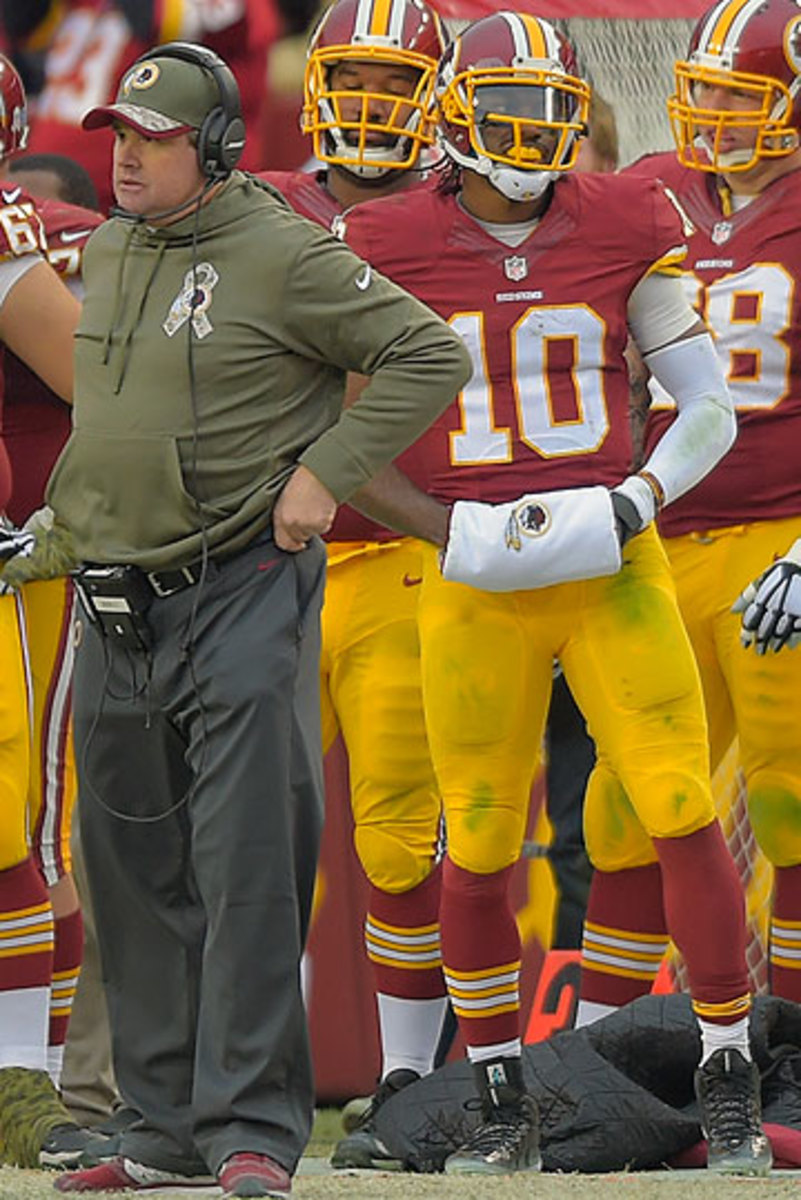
x,y
221,137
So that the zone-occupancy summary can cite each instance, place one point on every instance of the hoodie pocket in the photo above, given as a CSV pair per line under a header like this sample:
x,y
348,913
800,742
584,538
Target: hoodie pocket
x,y
122,495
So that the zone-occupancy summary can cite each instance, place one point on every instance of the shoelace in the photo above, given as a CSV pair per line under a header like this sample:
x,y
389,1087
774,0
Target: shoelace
x,y
731,1110
504,1131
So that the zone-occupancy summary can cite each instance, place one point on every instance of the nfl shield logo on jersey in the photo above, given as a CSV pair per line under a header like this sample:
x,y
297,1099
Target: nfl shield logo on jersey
x,y
721,232
515,268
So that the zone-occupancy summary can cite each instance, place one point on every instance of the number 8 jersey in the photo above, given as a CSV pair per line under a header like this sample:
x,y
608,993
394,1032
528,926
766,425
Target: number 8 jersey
x,y
742,274
545,321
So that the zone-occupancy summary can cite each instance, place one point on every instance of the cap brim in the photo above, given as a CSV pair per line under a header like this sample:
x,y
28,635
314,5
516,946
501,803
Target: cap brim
x,y
146,121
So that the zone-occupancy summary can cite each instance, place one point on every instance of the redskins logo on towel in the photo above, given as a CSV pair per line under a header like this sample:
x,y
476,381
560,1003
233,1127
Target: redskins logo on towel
x,y
530,519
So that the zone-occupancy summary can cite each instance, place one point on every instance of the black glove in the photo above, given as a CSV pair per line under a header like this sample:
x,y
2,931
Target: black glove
x,y
627,516
634,506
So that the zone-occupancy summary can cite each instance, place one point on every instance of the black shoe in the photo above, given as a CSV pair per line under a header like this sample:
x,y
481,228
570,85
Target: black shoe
x,y
728,1090
63,1146
362,1147
508,1139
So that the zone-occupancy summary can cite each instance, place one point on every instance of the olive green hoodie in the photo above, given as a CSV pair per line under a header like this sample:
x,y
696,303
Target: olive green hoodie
x,y
177,438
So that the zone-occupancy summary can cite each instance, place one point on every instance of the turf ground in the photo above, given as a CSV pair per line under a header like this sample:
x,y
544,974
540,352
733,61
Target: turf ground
x,y
317,1182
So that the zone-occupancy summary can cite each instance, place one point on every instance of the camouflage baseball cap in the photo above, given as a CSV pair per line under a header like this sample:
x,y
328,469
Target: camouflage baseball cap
x,y
160,98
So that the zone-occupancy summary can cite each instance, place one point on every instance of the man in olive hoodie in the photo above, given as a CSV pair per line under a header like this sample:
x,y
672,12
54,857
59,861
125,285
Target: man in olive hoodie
x,y
209,450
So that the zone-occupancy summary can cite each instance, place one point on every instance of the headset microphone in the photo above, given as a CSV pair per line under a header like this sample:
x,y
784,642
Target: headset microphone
x,y
125,214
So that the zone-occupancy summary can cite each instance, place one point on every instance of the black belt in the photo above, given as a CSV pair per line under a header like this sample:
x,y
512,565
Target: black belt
x,y
167,583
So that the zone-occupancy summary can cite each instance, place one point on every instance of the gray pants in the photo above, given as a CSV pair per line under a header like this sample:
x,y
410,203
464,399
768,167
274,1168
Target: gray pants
x,y
200,779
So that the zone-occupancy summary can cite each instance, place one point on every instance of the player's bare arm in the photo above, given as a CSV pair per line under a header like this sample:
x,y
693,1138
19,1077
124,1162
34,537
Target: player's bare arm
x,y
391,498
639,402
38,322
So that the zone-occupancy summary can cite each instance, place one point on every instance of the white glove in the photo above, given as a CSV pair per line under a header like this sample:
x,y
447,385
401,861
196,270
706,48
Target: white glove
x,y
536,541
771,605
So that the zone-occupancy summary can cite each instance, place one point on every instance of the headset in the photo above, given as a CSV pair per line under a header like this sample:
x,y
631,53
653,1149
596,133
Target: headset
x,y
221,138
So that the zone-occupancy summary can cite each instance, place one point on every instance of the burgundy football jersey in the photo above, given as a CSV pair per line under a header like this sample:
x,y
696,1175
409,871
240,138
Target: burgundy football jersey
x,y
307,193
37,422
21,233
545,323
742,273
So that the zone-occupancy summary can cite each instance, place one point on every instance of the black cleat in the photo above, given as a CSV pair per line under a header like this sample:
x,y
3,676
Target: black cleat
x,y
728,1090
507,1141
362,1147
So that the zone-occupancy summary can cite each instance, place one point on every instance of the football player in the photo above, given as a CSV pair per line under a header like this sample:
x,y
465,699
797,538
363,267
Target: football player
x,y
368,109
736,117
543,271
38,316
36,424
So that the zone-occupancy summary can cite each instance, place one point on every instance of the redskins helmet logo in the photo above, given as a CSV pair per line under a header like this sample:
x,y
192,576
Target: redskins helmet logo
x,y
530,519
141,77
792,43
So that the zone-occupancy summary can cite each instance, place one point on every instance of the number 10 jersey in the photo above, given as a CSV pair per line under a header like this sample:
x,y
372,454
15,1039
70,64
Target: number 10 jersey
x,y
545,322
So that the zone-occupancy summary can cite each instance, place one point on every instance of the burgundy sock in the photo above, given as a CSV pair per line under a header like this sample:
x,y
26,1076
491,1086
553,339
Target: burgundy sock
x,y
403,942
705,910
481,954
785,934
625,935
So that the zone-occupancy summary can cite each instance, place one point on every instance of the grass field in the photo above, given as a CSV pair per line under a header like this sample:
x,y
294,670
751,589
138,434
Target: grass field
x,y
317,1182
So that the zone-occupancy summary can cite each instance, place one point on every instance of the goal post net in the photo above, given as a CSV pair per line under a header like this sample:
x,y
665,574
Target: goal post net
x,y
626,50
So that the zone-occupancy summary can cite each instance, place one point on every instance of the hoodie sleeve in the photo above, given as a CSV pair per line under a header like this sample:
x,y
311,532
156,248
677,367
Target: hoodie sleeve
x,y
340,310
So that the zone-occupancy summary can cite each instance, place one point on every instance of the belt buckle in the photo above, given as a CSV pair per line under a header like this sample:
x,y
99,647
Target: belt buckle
x,y
163,592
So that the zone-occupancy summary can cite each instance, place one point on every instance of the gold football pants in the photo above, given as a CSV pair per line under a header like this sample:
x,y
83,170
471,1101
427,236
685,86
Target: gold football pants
x,y
487,670
371,691
14,737
751,696
51,795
